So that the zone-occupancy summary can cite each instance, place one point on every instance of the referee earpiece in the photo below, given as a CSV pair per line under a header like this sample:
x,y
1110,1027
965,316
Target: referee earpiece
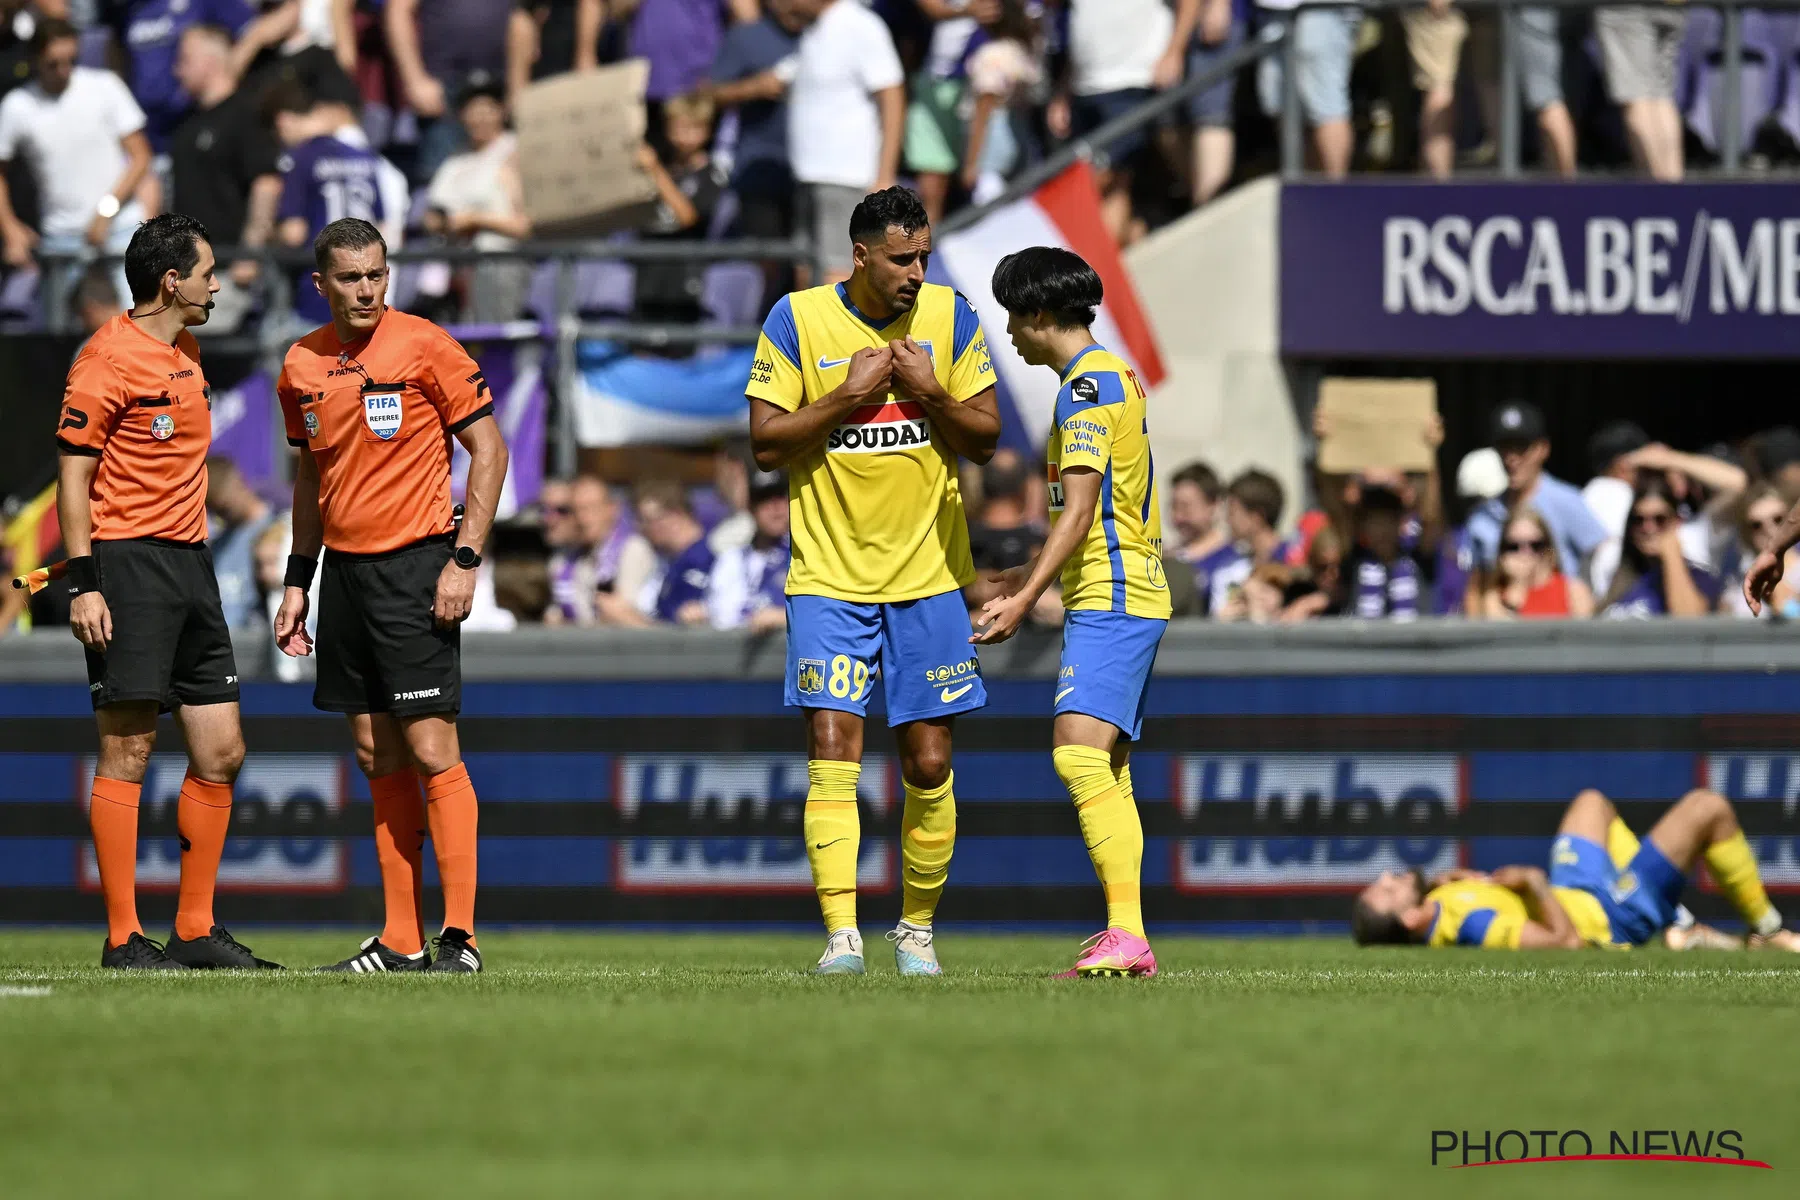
x,y
206,307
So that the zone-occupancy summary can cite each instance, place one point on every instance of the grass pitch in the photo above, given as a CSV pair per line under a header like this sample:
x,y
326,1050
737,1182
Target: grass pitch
x,y
639,1065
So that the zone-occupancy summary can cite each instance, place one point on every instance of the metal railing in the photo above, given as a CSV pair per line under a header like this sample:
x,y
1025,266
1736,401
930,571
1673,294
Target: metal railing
x,y
1508,136
1275,39
563,329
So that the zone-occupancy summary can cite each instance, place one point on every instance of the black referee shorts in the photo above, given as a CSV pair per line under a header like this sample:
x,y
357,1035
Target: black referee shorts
x,y
170,642
379,648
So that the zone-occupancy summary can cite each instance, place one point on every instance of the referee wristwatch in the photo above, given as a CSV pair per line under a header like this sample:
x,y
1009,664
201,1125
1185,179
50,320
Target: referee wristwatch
x,y
467,558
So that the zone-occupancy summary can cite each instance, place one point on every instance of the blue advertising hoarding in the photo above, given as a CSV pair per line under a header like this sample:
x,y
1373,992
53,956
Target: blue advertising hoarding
x,y
1545,270
1267,801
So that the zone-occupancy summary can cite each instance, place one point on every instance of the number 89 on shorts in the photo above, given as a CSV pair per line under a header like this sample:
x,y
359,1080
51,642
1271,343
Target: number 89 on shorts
x,y
843,678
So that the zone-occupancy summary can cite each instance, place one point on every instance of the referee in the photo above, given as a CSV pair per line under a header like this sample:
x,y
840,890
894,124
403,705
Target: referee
x,y
135,428
372,400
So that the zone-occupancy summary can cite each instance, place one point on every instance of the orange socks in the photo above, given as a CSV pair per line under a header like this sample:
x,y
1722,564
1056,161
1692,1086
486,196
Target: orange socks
x,y
202,815
113,816
450,800
399,845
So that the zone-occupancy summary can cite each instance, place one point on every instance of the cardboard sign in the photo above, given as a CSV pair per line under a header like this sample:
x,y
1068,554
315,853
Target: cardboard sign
x,y
579,135
1376,423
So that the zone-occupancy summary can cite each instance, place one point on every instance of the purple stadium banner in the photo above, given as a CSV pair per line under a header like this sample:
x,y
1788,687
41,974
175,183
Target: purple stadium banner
x,y
1575,271
515,378
243,422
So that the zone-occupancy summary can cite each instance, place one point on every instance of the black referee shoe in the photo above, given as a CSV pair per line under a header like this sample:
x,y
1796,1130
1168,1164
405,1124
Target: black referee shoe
x,y
138,953
455,954
373,958
217,949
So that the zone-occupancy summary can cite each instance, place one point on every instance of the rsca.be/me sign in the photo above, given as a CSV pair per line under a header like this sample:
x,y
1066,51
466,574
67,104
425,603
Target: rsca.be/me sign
x,y
1546,270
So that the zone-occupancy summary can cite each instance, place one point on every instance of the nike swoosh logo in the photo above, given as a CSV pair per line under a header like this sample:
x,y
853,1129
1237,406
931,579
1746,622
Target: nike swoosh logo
x,y
948,696
1101,842
825,364
833,842
1061,694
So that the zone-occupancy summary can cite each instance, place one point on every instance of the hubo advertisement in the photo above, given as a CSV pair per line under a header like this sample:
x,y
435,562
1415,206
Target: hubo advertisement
x,y
767,793
1773,778
1282,790
1547,270
297,789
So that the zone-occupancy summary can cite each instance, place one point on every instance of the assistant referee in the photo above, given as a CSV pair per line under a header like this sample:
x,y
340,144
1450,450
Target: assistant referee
x,y
135,428
372,400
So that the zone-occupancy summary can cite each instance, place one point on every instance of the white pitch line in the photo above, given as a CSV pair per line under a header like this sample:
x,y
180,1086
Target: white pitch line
x,y
9,990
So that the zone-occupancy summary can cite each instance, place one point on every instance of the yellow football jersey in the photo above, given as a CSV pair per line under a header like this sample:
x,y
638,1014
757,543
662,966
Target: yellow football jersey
x,y
1473,912
877,514
1102,423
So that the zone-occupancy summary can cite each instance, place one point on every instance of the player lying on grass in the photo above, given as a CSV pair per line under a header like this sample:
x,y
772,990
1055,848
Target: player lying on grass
x,y
1605,888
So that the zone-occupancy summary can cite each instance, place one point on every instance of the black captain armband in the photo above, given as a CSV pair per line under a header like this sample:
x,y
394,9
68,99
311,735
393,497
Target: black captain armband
x,y
300,570
83,575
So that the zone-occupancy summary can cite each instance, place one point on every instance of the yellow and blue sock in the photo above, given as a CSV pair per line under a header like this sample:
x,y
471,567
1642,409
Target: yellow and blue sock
x,y
1733,867
1110,829
833,833
927,839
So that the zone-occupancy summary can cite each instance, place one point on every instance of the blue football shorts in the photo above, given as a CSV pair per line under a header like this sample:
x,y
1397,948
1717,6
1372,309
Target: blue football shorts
x,y
1106,661
1640,901
919,649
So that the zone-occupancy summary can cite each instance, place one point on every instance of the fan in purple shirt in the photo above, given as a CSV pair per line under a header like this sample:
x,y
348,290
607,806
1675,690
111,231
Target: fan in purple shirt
x,y
149,32
748,589
667,521
1200,537
324,178
1653,579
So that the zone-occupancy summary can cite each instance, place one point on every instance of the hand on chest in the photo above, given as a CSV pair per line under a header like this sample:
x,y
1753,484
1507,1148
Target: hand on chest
x,y
907,377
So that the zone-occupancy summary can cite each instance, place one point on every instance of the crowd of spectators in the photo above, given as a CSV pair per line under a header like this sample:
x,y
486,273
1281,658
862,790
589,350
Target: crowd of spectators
x,y
1654,532
771,118
768,118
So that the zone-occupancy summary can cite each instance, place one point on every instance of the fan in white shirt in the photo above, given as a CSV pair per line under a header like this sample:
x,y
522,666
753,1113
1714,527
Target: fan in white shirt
x,y
81,132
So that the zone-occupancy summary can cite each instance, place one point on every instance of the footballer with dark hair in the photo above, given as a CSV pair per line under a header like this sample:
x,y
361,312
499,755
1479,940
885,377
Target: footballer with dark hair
x,y
1105,545
866,392
1604,888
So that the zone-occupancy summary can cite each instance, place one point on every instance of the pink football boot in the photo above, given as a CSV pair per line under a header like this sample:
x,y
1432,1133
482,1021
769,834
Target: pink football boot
x,y
1114,952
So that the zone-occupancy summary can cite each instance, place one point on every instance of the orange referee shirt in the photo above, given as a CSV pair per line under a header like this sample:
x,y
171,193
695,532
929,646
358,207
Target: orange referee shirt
x,y
142,407
378,414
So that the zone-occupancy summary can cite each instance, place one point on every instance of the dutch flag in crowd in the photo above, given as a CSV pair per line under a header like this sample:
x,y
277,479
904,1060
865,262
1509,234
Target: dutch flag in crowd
x,y
1063,212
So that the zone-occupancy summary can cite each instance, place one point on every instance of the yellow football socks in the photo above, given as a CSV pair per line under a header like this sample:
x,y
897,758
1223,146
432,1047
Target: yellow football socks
x,y
1621,844
1109,827
1122,780
927,837
1733,868
833,834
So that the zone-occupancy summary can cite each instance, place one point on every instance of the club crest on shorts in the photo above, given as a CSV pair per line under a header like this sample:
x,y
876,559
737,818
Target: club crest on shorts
x,y
162,427
312,424
810,680
381,412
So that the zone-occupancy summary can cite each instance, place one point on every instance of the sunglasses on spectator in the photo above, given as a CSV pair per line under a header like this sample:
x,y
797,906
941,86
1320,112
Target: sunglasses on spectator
x,y
1525,546
1652,520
